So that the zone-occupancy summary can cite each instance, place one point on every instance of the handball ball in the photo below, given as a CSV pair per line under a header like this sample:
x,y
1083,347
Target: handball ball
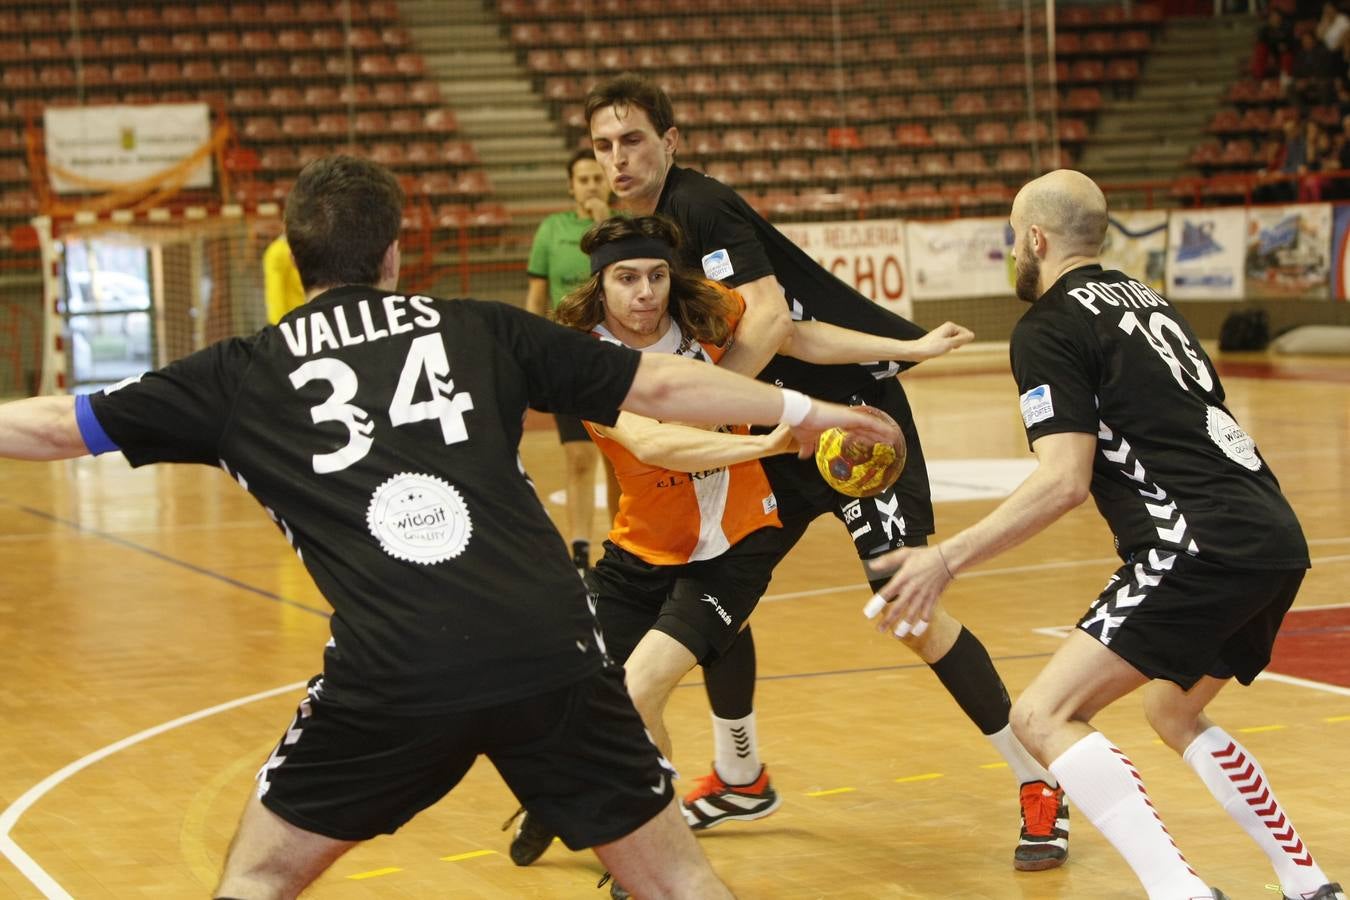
x,y
859,468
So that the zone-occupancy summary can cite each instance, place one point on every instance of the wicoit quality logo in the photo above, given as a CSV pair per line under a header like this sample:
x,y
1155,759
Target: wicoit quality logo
x,y
419,518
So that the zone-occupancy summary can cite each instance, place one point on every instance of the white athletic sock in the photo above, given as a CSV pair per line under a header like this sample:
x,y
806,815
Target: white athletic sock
x,y
1104,785
1236,780
735,749
1023,764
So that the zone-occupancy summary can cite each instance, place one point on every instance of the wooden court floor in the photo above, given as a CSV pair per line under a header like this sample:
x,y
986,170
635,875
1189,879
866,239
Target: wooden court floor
x,y
155,631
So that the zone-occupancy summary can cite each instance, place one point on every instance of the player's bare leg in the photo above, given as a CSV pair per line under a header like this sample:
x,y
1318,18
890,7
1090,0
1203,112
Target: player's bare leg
x,y
652,671
271,859
1234,776
1052,719
662,860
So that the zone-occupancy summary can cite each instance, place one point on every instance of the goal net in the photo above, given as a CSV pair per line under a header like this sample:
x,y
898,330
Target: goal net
x,y
126,293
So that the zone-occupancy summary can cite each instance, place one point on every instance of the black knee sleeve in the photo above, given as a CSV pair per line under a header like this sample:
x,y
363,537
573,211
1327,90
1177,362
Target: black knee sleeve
x,y
730,679
968,674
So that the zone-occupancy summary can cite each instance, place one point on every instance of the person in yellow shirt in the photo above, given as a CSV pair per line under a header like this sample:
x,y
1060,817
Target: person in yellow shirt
x,y
281,281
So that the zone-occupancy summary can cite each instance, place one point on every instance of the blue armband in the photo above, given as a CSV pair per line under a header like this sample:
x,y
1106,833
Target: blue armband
x,y
95,438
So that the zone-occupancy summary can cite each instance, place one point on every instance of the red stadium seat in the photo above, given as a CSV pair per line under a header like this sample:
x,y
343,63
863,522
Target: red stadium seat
x,y
222,42
1073,130
321,95
439,121
810,138
258,41
262,128
473,182
969,162
791,110
969,104
828,169
165,72
913,134
892,106
926,105
948,134
703,143
775,140
740,140
991,133
459,153
331,124
1013,159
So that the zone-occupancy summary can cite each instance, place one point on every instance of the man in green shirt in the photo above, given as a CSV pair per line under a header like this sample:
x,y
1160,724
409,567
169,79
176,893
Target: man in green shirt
x,y
556,267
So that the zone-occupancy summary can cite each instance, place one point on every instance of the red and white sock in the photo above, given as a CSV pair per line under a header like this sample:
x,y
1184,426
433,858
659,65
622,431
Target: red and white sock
x,y
1105,787
1237,781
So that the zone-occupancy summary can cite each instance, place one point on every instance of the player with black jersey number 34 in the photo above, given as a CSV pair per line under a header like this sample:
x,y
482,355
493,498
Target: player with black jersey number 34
x,y
381,433
1120,401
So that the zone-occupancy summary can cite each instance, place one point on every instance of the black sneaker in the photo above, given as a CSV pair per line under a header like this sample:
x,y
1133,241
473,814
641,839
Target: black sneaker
x,y
530,840
1332,891
1218,894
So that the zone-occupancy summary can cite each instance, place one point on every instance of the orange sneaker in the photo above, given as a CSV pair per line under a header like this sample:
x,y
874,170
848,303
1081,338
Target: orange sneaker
x,y
713,801
1044,842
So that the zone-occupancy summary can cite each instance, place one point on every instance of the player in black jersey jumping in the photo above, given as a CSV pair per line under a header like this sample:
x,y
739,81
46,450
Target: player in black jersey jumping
x,y
381,432
633,130
1121,402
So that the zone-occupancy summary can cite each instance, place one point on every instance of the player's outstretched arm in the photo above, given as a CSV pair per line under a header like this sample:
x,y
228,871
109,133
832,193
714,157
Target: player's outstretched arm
x,y
826,344
763,327
1061,480
40,428
687,449
684,390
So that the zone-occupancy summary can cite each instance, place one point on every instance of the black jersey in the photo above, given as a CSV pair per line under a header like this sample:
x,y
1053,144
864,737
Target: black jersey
x,y
730,242
1100,353
381,434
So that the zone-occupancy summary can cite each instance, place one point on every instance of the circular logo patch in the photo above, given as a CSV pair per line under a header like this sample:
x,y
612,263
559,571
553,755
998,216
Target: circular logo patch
x,y
1235,443
419,518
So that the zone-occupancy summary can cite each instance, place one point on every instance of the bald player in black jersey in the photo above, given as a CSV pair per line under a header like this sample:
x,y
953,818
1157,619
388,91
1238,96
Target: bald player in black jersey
x,y
1121,402
381,431
633,130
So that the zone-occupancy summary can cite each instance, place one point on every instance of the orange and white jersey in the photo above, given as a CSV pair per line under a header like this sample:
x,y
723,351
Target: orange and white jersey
x,y
667,517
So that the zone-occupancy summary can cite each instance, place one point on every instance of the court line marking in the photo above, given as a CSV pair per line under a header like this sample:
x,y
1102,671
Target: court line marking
x,y
53,891
10,817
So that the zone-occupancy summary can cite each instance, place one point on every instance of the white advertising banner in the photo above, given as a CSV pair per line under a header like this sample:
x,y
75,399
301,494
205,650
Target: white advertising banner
x,y
1136,244
125,143
959,258
1289,250
1205,250
868,256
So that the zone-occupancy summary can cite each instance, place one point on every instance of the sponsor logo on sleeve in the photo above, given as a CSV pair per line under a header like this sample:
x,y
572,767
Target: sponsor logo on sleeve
x,y
717,265
1037,405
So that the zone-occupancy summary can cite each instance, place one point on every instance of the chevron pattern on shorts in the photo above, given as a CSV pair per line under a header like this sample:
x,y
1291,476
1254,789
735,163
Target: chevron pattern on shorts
x,y
1244,775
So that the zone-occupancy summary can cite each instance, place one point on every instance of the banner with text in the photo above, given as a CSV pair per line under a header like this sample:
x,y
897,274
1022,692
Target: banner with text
x,y
1205,250
1136,244
959,258
125,144
869,256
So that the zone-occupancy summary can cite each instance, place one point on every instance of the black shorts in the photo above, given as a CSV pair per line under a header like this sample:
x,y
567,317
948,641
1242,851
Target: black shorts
x,y
570,429
900,516
703,604
1176,617
578,758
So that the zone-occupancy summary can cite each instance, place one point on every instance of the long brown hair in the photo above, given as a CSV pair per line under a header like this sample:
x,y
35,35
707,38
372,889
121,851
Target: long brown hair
x,y
698,306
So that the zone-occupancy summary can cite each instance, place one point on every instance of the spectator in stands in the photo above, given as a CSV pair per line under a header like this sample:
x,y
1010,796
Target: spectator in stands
x,y
1274,47
1315,147
555,268
1333,27
281,282
1313,70
1271,186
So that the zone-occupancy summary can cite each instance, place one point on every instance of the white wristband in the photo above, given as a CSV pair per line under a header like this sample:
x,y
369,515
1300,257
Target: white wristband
x,y
796,407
